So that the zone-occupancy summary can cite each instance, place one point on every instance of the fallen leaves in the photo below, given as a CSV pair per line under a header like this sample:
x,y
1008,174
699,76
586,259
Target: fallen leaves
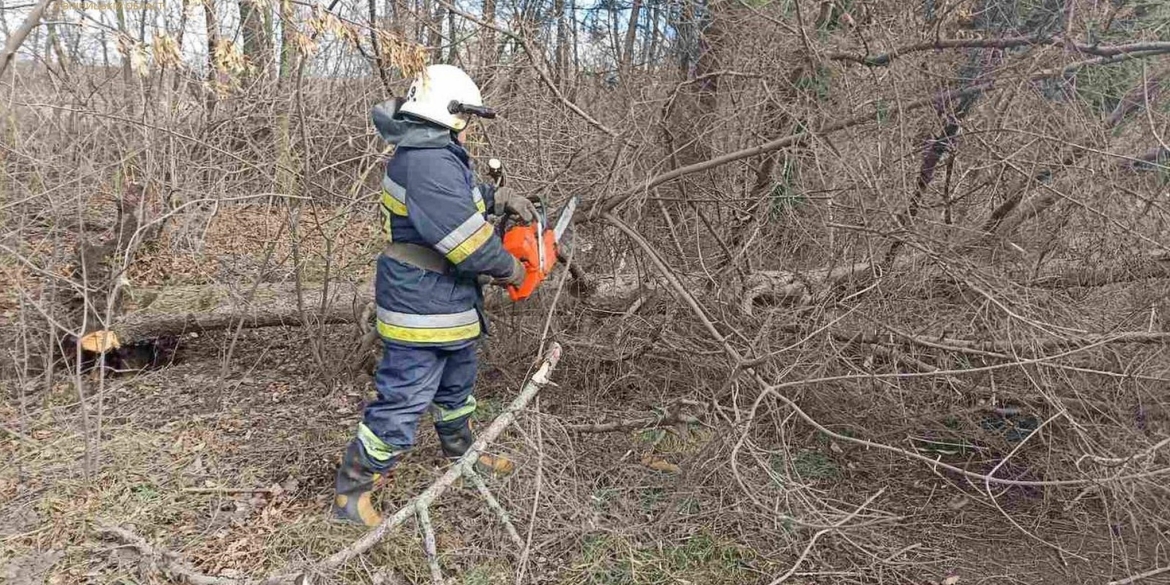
x,y
659,464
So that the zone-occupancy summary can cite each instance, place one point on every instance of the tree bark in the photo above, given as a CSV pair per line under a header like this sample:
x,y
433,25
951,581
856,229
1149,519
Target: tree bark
x,y
55,43
14,42
180,310
285,177
211,26
127,75
562,55
379,60
650,45
487,49
257,38
436,32
4,23
697,103
631,35
453,50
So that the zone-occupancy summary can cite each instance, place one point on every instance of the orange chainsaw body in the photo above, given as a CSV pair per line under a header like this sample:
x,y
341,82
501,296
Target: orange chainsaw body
x,y
521,241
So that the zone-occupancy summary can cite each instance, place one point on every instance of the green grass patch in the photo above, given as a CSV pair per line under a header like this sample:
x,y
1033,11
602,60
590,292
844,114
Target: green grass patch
x,y
649,498
487,409
809,465
487,575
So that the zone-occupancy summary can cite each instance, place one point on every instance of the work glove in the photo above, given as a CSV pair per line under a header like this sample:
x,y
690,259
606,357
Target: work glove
x,y
507,201
515,278
519,273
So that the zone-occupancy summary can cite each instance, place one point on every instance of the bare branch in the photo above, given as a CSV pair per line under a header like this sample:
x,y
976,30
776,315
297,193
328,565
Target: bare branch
x,y
30,22
997,43
168,562
828,125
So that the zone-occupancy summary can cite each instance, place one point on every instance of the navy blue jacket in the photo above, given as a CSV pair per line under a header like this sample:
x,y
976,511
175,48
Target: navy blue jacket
x,y
430,198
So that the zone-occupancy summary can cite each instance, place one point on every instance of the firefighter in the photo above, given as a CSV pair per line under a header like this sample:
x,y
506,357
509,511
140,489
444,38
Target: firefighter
x,y
439,249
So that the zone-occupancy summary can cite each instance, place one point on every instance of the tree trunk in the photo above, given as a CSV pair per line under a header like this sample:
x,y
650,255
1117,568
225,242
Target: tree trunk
x,y
436,32
697,103
710,48
631,35
487,51
285,176
420,11
211,26
257,38
650,46
379,60
177,79
127,75
4,23
576,51
562,55
180,310
453,50
55,43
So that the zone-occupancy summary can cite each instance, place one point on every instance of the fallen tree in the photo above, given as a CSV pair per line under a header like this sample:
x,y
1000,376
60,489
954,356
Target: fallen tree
x,y
178,310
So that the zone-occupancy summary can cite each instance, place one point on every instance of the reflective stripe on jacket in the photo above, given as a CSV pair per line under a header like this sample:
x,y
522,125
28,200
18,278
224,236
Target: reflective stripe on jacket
x,y
429,198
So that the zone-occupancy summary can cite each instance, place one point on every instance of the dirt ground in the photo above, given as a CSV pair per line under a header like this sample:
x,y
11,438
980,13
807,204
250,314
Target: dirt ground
x,y
182,449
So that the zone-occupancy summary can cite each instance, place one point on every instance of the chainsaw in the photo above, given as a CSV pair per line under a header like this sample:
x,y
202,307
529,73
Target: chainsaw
x,y
534,244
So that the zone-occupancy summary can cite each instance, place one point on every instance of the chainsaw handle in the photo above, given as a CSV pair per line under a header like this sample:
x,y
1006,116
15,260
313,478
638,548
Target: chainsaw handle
x,y
496,171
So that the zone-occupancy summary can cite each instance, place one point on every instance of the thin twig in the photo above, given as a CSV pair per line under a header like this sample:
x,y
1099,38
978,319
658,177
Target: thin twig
x,y
828,125
1141,576
30,22
494,504
822,532
23,437
168,562
424,522
631,424
216,490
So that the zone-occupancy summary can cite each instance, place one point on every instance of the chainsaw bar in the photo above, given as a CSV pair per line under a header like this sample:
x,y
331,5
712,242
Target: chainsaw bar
x,y
565,219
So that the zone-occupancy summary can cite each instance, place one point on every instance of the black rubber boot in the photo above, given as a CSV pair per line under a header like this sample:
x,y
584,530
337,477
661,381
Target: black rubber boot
x,y
455,438
356,479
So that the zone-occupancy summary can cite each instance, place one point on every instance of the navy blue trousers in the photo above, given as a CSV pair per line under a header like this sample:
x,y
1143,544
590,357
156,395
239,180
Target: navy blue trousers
x,y
410,381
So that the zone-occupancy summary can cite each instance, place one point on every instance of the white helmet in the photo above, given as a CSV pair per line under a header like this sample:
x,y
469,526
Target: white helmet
x,y
445,95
